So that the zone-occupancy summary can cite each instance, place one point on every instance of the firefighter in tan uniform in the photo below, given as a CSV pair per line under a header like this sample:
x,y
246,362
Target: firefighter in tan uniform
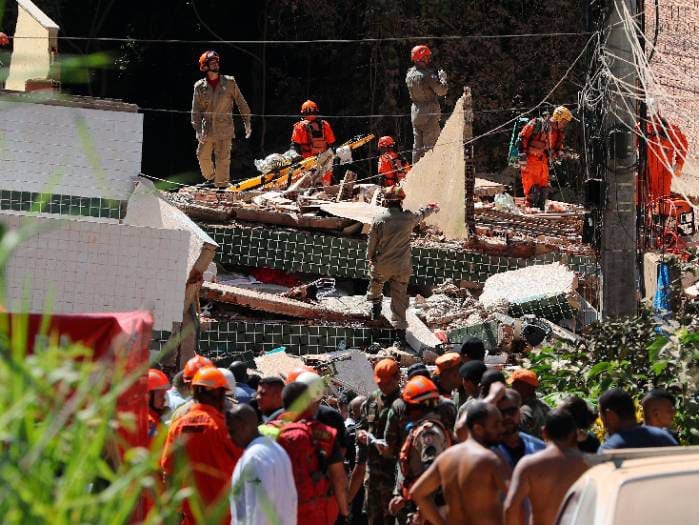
x,y
388,252
213,102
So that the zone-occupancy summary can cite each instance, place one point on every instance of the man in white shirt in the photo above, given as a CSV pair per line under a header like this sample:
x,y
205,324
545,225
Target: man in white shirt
x,y
263,491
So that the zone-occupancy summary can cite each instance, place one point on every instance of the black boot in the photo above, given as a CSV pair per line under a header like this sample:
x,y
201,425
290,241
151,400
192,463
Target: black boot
x,y
376,311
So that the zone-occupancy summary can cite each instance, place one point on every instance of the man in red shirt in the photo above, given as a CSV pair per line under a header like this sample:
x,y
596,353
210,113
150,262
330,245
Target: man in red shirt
x,y
199,442
392,166
312,135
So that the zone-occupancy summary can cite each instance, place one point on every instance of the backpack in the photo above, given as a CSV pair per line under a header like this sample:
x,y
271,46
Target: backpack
x,y
308,445
426,440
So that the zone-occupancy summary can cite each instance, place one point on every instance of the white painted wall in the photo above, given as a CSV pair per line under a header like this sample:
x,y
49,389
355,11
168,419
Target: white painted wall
x,y
97,265
69,150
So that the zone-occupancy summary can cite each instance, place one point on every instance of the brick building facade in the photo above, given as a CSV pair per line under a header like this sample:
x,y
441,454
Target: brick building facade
x,y
676,65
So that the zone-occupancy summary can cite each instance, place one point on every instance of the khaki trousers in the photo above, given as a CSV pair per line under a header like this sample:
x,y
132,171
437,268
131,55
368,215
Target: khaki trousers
x,y
399,293
424,138
215,161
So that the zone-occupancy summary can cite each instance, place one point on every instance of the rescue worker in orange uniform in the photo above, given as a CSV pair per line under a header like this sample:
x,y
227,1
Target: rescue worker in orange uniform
x,y
392,166
540,142
158,384
666,148
316,460
312,135
213,101
191,367
200,442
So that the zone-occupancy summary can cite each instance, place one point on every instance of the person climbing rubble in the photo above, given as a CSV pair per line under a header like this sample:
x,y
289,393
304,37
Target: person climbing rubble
x,y
666,151
312,135
425,87
388,253
539,143
214,99
392,167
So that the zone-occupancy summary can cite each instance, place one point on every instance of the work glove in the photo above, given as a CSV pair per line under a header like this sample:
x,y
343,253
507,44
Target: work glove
x,y
434,206
442,76
4,40
248,129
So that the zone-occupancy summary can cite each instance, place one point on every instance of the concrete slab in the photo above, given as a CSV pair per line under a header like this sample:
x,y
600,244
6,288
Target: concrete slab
x,y
418,336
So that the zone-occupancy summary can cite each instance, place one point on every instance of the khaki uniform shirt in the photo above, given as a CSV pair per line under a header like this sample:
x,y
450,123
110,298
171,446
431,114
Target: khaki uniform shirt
x,y
425,89
212,109
388,246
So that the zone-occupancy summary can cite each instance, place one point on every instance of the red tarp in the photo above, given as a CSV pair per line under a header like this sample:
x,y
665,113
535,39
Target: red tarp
x,y
124,336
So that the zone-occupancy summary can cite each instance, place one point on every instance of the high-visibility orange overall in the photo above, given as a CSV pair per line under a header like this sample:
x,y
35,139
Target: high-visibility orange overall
x,y
540,141
313,136
666,151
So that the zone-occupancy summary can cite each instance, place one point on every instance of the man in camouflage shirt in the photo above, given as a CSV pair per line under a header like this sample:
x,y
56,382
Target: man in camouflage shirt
x,y
533,410
381,465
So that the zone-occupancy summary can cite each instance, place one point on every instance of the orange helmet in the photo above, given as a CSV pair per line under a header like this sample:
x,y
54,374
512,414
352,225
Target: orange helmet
x,y
157,380
193,365
420,54
296,372
309,107
418,390
386,142
394,193
210,378
204,59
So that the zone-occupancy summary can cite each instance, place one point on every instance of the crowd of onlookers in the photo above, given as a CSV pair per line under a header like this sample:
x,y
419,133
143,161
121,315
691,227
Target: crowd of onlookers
x,y
456,443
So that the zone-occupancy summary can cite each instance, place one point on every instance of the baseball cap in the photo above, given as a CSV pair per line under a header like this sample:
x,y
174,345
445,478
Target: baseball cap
x,y
448,361
526,376
473,371
385,369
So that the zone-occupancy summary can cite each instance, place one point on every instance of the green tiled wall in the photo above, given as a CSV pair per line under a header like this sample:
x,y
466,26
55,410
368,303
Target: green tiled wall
x,y
61,204
313,253
228,339
487,332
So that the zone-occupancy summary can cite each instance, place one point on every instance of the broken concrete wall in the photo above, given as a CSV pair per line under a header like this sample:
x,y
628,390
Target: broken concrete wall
x,y
96,265
439,176
34,46
76,148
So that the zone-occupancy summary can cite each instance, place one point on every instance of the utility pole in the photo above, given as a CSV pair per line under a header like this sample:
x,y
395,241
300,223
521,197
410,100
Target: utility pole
x,y
619,237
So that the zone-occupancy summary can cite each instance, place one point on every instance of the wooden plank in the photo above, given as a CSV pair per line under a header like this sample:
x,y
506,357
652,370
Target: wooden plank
x,y
357,211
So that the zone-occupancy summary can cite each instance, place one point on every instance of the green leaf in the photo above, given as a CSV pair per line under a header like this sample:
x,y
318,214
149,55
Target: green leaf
x,y
597,369
659,366
655,347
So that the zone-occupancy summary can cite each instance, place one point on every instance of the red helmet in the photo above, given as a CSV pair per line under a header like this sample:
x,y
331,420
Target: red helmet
x,y
309,107
204,59
193,365
157,380
210,378
386,142
296,372
420,54
418,390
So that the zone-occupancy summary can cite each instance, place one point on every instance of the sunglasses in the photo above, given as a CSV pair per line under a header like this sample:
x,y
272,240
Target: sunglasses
x,y
509,411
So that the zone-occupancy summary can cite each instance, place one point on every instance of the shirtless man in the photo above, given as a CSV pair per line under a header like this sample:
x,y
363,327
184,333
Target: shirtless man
x,y
472,477
545,476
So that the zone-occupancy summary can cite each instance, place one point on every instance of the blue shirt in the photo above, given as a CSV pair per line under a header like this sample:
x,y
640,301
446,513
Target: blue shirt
x,y
639,437
243,393
531,444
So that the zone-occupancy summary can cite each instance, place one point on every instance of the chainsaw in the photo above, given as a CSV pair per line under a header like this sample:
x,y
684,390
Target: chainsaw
x,y
671,220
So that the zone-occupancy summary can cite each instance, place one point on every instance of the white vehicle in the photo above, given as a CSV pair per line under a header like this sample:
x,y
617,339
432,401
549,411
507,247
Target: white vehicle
x,y
652,486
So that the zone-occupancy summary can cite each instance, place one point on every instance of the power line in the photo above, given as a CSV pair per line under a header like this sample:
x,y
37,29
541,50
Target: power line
x,y
319,41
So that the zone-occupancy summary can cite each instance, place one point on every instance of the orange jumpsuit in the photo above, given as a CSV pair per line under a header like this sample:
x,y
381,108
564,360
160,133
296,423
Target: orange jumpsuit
x,y
392,168
313,136
209,453
539,141
666,147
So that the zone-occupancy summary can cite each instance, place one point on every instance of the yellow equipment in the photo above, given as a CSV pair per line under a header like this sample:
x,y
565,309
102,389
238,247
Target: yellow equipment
x,y
283,176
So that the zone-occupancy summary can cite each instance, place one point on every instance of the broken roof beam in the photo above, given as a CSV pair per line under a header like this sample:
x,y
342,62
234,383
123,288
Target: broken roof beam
x,y
267,302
